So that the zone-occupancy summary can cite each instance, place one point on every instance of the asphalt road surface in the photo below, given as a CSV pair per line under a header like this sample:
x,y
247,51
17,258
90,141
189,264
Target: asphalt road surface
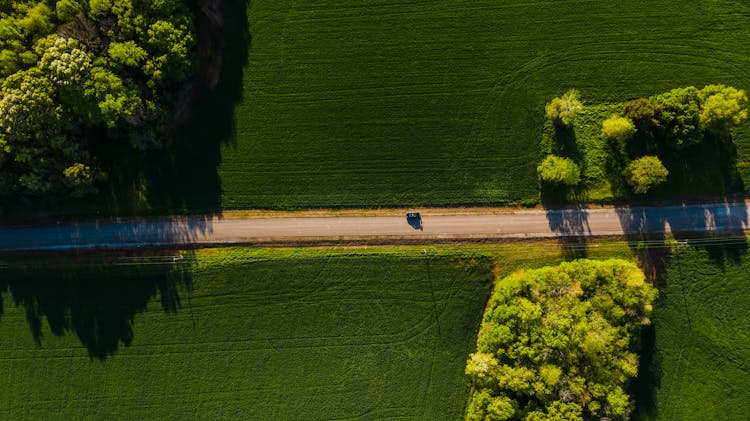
x,y
473,224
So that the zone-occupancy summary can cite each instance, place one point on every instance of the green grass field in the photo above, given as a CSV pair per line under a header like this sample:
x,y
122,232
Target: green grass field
x,y
699,366
441,102
262,335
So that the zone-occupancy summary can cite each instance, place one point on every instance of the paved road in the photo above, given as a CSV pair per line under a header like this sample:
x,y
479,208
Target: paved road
x,y
475,224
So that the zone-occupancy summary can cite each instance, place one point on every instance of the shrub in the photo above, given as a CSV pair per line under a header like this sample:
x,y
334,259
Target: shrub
x,y
645,173
564,109
722,106
643,112
680,116
618,129
558,170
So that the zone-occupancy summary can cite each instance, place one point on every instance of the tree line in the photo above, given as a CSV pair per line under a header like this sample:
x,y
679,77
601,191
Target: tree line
x,y
678,119
78,74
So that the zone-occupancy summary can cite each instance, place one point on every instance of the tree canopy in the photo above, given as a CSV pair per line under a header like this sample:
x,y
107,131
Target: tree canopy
x,y
564,108
645,173
643,112
680,116
70,66
556,343
722,106
618,129
557,170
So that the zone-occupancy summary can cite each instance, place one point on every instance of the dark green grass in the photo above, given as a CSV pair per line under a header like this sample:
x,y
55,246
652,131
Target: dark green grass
x,y
263,335
699,367
350,103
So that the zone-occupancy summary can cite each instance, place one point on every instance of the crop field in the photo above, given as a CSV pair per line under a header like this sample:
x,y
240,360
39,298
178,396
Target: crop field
x,y
260,335
346,103
698,367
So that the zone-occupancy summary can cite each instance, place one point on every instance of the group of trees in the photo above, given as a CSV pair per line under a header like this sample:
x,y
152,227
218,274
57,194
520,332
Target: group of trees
x,y
77,73
671,121
675,120
557,170
556,343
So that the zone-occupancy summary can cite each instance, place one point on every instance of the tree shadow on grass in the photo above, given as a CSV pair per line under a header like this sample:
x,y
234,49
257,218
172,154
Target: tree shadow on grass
x,y
718,228
184,177
708,168
94,297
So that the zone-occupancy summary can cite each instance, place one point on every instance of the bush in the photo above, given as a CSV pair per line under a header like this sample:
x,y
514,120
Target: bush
x,y
618,129
645,173
558,170
643,112
564,109
557,340
680,116
722,106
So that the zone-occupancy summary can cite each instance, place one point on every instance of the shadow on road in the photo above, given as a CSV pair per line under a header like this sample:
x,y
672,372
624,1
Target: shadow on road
x,y
92,296
129,233
722,227
719,230
572,228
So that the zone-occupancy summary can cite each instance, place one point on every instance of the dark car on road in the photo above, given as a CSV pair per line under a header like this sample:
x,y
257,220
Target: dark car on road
x,y
414,219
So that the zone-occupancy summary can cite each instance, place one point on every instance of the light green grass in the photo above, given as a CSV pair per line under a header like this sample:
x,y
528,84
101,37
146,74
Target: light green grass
x,y
699,367
384,102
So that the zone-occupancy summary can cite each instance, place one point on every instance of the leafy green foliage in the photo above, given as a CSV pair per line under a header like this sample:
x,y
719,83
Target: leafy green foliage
x,y
564,109
558,170
618,129
644,113
722,106
80,86
558,341
680,116
645,173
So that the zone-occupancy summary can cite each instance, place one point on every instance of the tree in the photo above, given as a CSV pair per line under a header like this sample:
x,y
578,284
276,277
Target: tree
x,y
680,116
116,63
558,170
618,129
645,173
557,411
65,61
565,108
80,179
555,343
127,53
722,106
67,9
643,112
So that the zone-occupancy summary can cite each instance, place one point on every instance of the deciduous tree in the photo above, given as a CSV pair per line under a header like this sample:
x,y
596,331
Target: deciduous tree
x,y
645,173
643,112
558,170
618,129
722,106
564,108
680,116
564,349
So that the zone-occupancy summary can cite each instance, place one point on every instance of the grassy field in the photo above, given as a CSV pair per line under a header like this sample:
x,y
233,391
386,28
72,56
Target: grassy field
x,y
262,335
441,102
699,365
253,334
